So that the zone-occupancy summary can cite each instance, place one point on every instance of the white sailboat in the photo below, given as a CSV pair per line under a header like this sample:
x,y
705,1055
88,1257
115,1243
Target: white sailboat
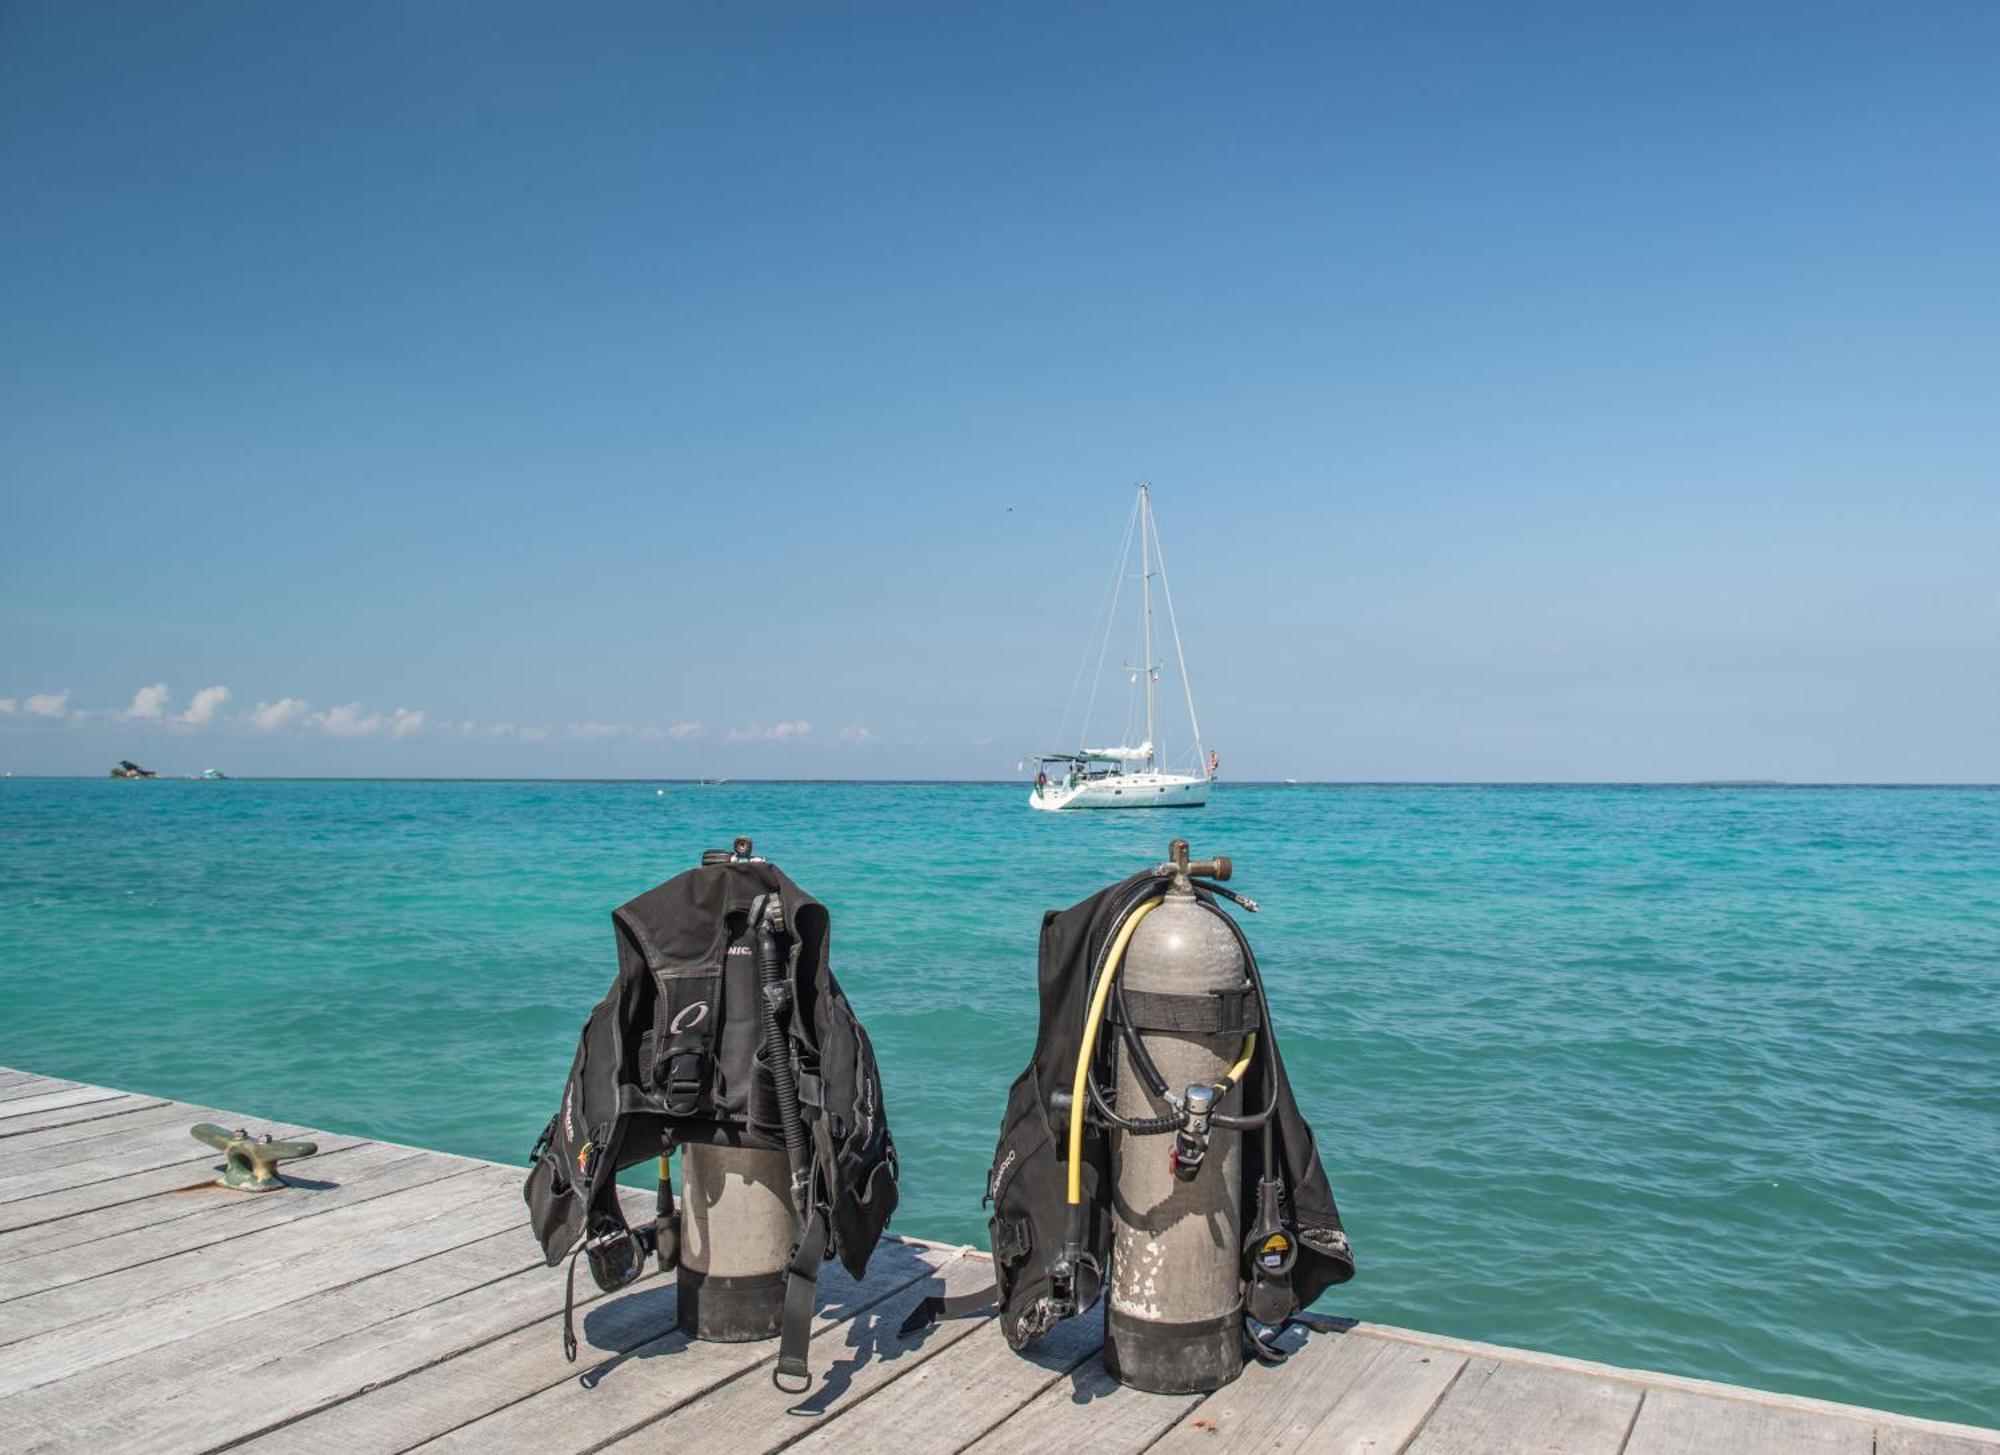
x,y
1141,775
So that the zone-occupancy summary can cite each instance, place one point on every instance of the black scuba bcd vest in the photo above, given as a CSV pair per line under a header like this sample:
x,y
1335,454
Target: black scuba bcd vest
x,y
1026,1185
670,1057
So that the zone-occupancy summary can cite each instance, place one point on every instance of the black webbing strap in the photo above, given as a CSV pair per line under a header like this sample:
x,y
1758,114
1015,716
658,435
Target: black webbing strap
x,y
1262,1349
1210,1013
950,1306
569,1307
791,1373
690,1010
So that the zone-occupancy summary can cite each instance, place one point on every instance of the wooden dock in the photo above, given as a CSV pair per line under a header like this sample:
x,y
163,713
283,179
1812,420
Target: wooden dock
x,y
394,1299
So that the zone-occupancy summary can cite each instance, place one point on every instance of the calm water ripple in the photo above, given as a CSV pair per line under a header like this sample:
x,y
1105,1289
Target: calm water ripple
x,y
1689,1079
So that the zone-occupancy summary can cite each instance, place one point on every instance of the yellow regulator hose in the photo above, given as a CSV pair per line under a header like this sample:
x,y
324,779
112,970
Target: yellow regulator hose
x,y
1079,1089
1243,1064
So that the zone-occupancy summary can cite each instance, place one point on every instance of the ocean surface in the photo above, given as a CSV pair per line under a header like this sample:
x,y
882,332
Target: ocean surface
x,y
1693,1079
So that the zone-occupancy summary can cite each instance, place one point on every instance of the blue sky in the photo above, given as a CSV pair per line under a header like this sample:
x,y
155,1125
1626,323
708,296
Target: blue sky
x,y
1541,391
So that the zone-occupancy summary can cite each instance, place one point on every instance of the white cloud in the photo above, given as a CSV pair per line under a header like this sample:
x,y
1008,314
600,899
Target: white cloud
x,y
783,732
598,730
348,721
268,717
6,707
150,702
48,704
201,712
680,732
403,722
856,734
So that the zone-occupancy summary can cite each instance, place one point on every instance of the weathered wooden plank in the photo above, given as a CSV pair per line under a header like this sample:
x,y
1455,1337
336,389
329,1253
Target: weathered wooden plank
x,y
267,1248
1389,1402
349,1175
519,1392
69,1201
288,1361
23,1110
1901,1439
1675,1422
1089,1411
1655,1379
942,1403
1337,1392
89,1121
186,1198
116,1124
25,1083
257,1273
120,1151
1496,1408
711,1394
95,1111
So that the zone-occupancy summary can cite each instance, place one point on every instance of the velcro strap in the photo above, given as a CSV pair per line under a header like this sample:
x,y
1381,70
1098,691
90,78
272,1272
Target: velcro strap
x,y
1209,1013
1010,1239
791,1373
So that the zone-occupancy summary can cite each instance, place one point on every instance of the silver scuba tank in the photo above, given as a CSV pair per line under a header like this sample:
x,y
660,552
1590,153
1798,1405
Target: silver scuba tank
x,y
1173,1319
737,1230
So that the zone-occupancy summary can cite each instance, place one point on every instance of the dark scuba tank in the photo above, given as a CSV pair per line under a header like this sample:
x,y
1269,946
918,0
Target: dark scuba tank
x,y
1173,1319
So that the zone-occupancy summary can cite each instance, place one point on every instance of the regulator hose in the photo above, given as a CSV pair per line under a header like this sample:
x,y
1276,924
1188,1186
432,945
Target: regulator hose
x,y
1157,1126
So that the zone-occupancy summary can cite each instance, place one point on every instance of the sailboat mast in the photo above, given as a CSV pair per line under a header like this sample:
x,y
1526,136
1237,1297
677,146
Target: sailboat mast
x,y
1146,584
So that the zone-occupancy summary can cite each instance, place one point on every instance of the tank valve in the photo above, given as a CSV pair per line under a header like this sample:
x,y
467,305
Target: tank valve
x,y
739,853
1191,1138
1183,870
250,1164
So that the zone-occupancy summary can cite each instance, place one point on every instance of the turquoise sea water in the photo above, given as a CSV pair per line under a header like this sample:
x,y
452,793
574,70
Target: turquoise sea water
x,y
1704,1080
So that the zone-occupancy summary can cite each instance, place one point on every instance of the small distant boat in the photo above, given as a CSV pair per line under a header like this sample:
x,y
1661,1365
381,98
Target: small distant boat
x,y
711,782
1291,782
1127,776
213,775
128,769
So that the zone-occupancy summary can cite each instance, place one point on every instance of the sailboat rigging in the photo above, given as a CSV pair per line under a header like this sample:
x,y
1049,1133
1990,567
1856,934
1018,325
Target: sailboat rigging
x,y
1130,775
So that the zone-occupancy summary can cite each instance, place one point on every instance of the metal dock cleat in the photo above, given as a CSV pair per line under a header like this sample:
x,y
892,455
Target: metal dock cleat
x,y
251,1163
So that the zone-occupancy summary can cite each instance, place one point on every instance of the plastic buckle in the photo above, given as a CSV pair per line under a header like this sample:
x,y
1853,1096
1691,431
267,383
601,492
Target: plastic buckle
x,y
682,1097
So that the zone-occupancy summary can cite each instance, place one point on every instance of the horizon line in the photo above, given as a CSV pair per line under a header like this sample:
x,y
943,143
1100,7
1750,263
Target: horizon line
x,y
1014,782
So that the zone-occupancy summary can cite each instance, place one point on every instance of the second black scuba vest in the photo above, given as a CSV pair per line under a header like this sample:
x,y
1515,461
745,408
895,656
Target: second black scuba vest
x,y
1287,1202
672,1056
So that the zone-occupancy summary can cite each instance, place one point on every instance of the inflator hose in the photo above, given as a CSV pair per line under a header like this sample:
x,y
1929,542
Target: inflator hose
x,y
1088,1046
771,976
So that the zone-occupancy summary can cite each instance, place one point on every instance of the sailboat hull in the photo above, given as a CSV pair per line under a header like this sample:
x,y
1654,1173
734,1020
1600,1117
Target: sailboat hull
x,y
1123,790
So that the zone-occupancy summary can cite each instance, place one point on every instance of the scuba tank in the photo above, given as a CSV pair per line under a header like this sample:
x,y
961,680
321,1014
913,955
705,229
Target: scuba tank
x,y
1153,1147
740,1205
725,1037
736,1234
1173,1320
